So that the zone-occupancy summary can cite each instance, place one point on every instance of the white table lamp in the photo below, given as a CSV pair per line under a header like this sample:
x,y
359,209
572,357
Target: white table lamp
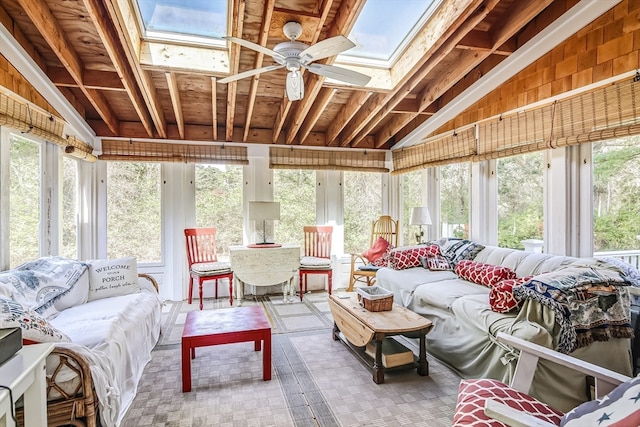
x,y
264,211
420,216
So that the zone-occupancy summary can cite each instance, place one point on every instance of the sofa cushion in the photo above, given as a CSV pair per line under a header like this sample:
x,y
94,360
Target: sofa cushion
x,y
443,293
38,284
407,256
34,327
483,274
473,393
501,296
459,249
620,407
436,263
377,250
112,277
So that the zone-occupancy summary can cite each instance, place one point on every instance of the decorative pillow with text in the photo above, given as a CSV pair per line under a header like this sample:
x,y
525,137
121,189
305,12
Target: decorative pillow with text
x,y
112,277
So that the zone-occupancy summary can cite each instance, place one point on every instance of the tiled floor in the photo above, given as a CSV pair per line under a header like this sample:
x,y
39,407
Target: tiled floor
x,y
316,381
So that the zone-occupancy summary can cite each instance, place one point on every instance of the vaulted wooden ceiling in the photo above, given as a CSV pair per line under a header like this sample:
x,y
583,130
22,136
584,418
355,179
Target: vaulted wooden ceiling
x,y
126,86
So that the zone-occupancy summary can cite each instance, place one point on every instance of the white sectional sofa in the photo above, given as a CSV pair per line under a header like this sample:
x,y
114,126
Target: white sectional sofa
x,y
465,325
104,319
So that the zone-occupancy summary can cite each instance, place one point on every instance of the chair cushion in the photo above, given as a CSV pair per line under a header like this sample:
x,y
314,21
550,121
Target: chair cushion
x,y
621,407
312,262
473,393
211,268
377,250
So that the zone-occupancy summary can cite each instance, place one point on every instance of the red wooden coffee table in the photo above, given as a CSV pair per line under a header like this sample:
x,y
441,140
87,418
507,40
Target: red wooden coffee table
x,y
225,326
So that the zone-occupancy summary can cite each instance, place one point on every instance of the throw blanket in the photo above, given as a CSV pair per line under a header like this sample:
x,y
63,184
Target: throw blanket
x,y
590,303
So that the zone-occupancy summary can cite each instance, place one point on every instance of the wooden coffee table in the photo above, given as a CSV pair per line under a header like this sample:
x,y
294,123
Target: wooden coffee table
x,y
225,326
359,326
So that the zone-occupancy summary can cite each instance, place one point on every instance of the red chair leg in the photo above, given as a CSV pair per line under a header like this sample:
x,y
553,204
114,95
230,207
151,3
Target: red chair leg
x,y
190,288
200,291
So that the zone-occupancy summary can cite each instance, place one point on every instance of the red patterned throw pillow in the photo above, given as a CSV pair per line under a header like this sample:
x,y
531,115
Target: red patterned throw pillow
x,y
501,296
377,250
407,257
473,393
383,261
483,274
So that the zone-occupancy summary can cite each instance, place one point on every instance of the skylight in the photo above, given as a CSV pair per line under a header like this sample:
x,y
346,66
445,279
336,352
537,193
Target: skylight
x,y
180,19
384,27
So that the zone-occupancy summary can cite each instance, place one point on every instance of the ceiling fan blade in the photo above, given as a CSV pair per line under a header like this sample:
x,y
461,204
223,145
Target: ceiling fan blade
x,y
249,73
339,73
295,86
326,48
254,46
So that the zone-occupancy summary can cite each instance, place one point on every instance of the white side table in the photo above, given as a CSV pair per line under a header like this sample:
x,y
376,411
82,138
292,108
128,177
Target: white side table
x,y
25,373
264,267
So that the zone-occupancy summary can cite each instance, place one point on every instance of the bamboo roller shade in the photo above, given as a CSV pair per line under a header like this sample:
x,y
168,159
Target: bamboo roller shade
x,y
19,115
297,158
140,151
608,112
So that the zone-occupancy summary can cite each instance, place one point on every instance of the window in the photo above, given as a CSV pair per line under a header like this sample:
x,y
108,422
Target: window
x,y
24,200
616,194
134,211
520,200
362,205
412,197
69,208
219,203
454,200
296,192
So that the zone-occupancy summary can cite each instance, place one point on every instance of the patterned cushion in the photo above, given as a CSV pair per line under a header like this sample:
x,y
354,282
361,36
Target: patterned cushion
x,y
34,327
621,407
459,249
436,263
383,261
38,284
433,249
407,256
473,393
483,274
501,296
206,268
377,250
312,262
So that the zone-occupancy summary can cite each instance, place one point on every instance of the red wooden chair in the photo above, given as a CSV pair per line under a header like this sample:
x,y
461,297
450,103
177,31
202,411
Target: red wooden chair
x,y
202,255
317,255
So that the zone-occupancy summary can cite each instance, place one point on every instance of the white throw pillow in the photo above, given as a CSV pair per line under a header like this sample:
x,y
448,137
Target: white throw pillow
x,y
112,277
78,295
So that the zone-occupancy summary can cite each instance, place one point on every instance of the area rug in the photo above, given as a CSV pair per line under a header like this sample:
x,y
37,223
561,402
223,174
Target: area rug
x,y
316,381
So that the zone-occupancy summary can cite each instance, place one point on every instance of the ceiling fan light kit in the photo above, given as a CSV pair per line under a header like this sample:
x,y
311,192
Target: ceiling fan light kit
x,y
294,55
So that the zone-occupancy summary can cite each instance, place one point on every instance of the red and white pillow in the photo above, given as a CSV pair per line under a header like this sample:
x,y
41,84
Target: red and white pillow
x,y
483,274
408,256
376,251
473,393
437,263
501,296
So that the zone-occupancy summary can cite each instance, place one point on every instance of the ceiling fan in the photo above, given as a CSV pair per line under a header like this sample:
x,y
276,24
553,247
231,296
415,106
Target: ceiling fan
x,y
294,55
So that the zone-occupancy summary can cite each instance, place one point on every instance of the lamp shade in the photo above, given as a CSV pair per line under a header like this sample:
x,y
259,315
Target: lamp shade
x,y
420,216
260,211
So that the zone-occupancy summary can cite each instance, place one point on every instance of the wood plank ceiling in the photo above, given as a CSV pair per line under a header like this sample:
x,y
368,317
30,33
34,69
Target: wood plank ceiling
x,y
125,86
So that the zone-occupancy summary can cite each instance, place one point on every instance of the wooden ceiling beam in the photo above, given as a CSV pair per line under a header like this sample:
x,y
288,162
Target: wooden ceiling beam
x,y
214,108
262,41
348,110
174,93
93,79
323,99
468,60
54,35
237,23
124,55
368,117
100,18
343,22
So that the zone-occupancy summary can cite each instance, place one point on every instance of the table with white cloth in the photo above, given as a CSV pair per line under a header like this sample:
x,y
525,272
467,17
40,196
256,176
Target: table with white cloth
x,y
264,266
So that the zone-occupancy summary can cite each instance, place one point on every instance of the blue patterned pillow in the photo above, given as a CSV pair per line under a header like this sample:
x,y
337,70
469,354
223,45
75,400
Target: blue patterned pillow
x,y
458,249
621,407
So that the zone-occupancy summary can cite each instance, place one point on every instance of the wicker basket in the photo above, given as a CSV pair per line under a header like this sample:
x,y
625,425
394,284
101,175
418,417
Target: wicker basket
x,y
374,298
